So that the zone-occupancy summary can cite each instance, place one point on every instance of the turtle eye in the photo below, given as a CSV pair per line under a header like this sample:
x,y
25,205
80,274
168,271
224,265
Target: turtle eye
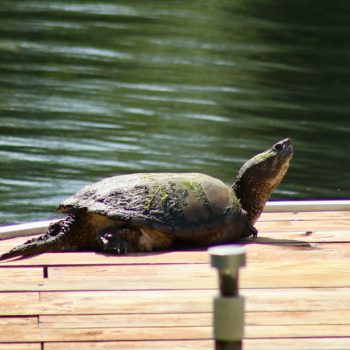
x,y
278,146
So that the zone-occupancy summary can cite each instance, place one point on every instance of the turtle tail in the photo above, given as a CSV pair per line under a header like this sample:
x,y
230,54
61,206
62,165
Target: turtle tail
x,y
56,239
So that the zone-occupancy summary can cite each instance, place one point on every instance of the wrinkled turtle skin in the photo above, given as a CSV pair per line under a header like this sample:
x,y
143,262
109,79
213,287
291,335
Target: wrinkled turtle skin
x,y
152,211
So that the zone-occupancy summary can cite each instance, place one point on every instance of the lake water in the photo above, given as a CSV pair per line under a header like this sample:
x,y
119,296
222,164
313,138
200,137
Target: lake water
x,y
92,89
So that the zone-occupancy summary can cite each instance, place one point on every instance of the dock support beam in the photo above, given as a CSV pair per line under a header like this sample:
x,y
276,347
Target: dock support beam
x,y
228,305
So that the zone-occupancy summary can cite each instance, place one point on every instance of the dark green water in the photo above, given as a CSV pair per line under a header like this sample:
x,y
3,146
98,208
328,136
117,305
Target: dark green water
x,y
91,89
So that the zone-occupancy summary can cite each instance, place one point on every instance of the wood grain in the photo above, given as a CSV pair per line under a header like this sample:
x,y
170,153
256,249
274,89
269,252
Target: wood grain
x,y
180,277
29,334
21,346
127,345
248,344
264,318
163,301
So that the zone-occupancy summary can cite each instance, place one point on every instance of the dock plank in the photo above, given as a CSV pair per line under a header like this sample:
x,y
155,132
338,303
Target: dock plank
x,y
204,319
248,344
302,225
319,343
144,345
21,346
16,304
177,301
304,237
126,320
20,275
29,334
267,274
305,215
26,320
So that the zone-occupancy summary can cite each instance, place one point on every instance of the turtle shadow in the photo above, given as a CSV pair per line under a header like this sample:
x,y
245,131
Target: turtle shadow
x,y
280,242
187,247
293,243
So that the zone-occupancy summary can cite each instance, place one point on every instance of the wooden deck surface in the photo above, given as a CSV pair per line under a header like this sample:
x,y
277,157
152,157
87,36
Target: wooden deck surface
x,y
296,284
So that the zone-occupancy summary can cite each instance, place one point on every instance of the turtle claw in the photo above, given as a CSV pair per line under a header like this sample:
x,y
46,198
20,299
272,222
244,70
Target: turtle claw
x,y
252,232
117,247
121,248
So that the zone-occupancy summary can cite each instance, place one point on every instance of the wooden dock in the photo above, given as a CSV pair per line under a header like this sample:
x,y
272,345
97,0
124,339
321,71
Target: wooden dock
x,y
296,284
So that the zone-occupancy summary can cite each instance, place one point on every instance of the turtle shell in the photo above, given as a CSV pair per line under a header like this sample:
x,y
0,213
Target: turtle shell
x,y
177,203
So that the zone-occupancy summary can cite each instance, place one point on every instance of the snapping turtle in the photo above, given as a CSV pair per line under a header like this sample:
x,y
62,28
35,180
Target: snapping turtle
x,y
150,211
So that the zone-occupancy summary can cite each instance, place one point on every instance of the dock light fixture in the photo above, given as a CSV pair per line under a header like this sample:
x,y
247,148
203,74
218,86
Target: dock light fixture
x,y
228,305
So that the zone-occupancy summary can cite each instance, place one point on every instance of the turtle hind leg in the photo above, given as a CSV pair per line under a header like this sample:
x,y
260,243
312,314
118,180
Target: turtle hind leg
x,y
121,240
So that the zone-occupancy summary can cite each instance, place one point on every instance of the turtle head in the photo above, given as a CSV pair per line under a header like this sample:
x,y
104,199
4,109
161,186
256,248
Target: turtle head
x,y
260,175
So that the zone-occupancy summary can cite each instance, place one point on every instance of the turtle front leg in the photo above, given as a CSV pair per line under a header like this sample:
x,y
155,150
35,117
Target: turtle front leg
x,y
254,232
118,240
121,240
251,231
